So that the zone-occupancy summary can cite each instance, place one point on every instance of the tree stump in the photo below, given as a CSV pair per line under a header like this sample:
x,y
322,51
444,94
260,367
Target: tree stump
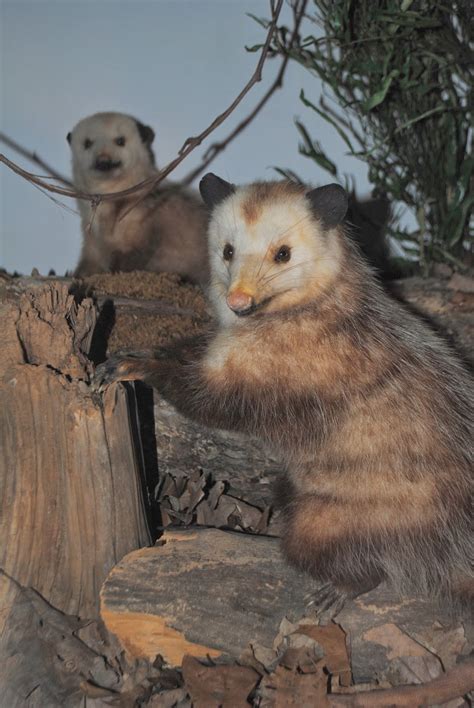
x,y
71,499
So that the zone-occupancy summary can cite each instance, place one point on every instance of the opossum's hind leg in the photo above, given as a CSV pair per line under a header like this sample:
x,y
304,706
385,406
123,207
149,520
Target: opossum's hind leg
x,y
326,602
123,366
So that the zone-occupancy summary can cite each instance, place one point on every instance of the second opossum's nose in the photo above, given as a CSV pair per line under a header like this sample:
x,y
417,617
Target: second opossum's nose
x,y
239,301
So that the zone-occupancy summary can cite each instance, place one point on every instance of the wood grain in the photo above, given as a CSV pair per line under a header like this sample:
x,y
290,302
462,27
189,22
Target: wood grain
x,y
71,502
216,590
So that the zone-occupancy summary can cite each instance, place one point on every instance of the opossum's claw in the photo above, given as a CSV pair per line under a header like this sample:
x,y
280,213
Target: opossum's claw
x,y
326,602
122,366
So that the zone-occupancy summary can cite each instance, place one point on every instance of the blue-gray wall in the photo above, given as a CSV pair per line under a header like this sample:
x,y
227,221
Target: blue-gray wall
x,y
175,64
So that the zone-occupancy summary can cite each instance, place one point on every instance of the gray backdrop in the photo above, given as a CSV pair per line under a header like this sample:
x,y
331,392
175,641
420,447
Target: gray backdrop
x,y
174,64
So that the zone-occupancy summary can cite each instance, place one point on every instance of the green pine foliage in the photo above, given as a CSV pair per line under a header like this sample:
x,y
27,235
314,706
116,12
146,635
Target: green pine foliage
x,y
400,77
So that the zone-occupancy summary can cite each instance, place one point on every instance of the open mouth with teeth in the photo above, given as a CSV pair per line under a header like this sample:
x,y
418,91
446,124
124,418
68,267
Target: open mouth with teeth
x,y
107,165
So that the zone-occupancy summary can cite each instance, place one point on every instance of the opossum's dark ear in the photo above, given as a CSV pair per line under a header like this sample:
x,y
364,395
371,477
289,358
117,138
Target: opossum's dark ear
x,y
68,137
214,189
147,134
329,204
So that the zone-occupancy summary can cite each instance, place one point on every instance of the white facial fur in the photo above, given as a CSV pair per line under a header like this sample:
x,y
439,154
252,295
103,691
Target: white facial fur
x,y
285,221
103,130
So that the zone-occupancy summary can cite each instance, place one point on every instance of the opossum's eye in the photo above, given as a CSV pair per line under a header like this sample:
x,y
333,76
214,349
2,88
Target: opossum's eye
x,y
87,144
228,252
283,254
120,141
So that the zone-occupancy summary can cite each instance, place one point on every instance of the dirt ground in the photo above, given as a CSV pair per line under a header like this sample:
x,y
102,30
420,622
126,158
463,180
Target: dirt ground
x,y
446,300
150,309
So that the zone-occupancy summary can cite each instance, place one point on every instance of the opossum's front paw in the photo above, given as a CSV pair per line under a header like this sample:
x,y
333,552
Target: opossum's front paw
x,y
326,602
122,366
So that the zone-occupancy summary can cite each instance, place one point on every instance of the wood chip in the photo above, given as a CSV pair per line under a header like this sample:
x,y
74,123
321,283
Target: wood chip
x,y
218,686
288,689
332,639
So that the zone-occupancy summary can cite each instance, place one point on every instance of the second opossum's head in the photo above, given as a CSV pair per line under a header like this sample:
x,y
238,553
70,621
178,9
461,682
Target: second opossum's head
x,y
272,245
110,149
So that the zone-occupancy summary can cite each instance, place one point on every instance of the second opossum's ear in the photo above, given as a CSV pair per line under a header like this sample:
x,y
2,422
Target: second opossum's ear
x,y
147,134
69,137
214,189
329,204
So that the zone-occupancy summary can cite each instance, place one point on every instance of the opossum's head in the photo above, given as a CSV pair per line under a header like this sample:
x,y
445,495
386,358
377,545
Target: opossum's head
x,y
273,245
110,150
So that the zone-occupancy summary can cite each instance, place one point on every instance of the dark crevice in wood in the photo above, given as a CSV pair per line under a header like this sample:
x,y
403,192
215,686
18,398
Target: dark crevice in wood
x,y
142,423
104,326
23,348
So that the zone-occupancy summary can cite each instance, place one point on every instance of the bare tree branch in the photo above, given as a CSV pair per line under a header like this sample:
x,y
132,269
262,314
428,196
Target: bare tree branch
x,y
147,185
191,143
255,78
455,683
33,157
212,152
39,182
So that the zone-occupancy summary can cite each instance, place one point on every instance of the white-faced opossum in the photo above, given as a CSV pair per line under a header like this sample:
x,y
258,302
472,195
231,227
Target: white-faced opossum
x,y
164,232
365,405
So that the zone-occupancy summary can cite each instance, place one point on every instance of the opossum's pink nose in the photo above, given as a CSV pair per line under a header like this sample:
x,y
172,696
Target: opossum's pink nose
x,y
239,301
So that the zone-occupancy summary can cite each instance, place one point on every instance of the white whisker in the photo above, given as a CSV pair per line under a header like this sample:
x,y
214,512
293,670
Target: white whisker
x,y
275,238
269,278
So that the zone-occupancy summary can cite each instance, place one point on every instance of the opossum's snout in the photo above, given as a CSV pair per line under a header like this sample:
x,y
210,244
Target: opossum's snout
x,y
106,164
240,302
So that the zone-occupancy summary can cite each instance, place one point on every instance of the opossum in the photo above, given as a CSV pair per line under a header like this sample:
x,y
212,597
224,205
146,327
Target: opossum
x,y
164,232
367,408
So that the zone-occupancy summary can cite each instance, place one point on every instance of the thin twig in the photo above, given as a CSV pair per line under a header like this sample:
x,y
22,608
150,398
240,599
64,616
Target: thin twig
x,y
191,143
147,185
216,148
455,683
254,79
39,182
33,157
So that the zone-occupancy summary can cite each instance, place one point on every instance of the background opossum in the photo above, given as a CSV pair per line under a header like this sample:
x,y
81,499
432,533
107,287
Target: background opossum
x,y
165,232
366,406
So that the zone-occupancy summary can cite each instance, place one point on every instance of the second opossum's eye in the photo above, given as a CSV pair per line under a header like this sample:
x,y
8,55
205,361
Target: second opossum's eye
x,y
87,144
120,141
228,252
283,254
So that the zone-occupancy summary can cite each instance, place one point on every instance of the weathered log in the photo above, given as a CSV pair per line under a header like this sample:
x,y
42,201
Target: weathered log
x,y
71,502
201,592
207,592
238,460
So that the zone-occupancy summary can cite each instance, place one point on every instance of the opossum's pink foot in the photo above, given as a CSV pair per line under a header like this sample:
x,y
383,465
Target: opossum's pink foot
x,y
326,602
123,366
